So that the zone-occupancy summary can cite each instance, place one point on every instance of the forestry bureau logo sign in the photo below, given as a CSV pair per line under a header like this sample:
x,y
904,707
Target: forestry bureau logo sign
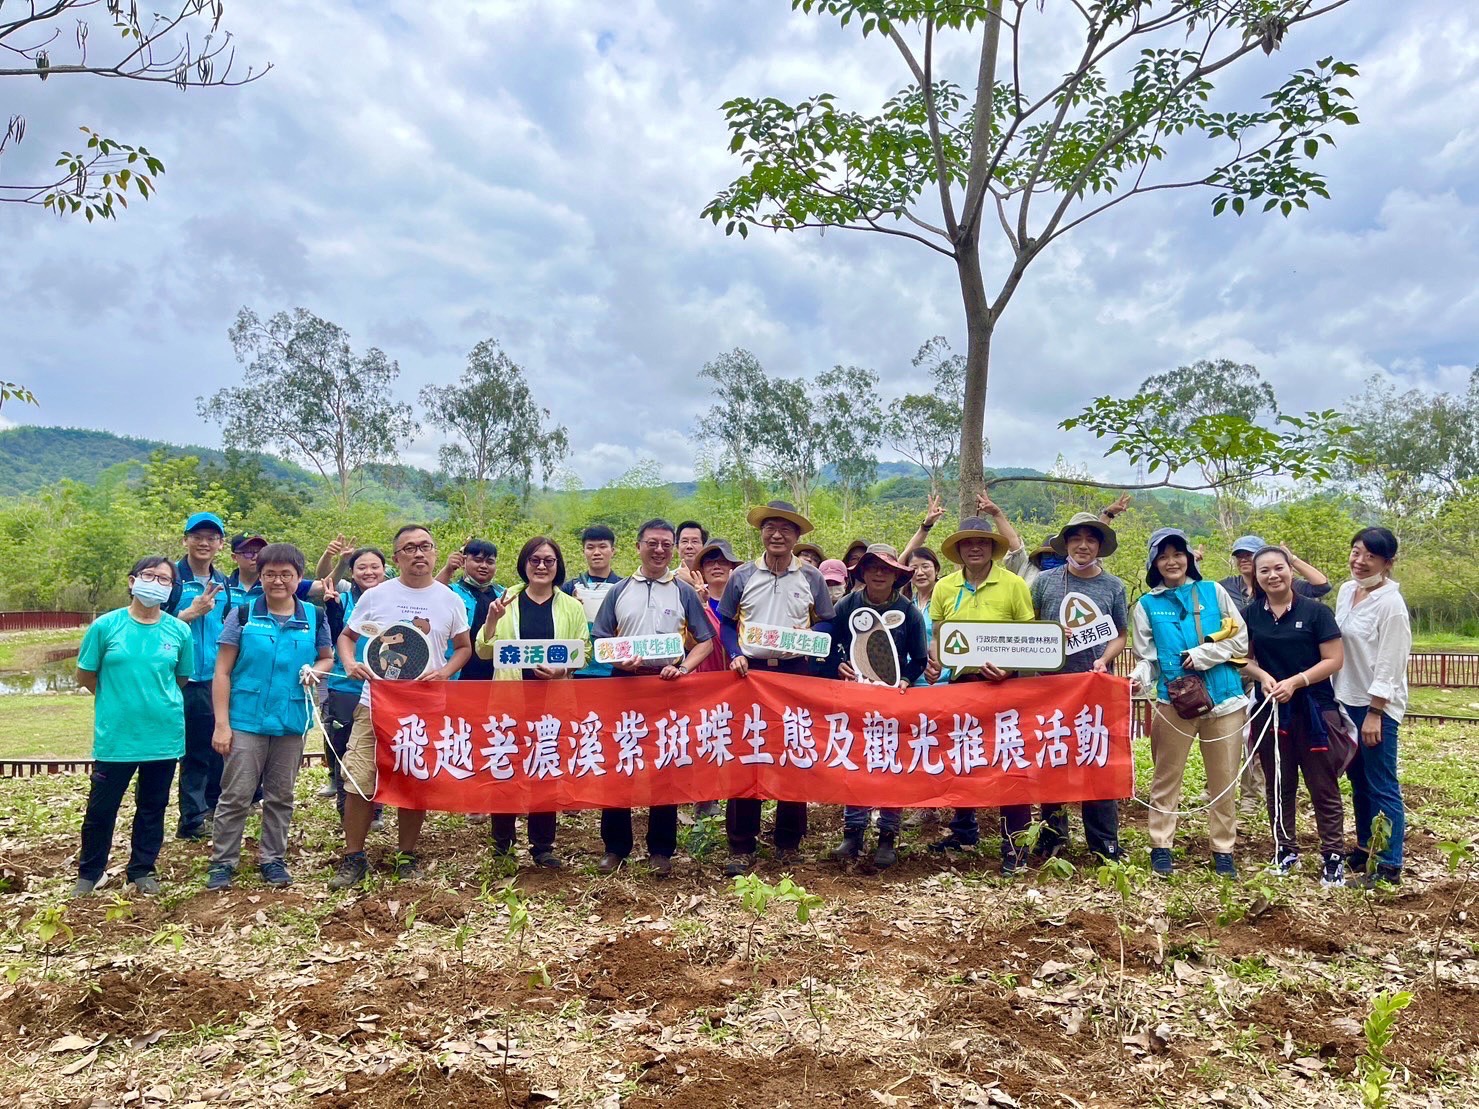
x,y
1085,625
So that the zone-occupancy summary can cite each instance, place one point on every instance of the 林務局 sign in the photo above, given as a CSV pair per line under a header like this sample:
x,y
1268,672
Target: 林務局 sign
x,y
530,746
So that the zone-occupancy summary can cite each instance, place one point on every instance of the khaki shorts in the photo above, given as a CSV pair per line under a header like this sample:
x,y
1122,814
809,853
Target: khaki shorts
x,y
359,755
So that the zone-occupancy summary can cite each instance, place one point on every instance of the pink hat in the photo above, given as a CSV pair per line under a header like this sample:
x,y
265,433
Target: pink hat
x,y
834,571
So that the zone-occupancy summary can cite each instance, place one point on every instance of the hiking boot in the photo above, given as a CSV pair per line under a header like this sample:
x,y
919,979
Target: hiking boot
x,y
660,865
952,842
1223,865
787,856
921,818
886,854
407,866
353,869
477,818
275,874
849,849
327,790
1358,860
546,858
1382,875
84,887
378,824
610,863
707,809
218,877
1013,863
1332,872
198,834
738,866
1160,862
146,885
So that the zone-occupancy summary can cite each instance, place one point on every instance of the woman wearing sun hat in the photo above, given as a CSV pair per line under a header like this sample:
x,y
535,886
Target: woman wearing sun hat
x,y
982,589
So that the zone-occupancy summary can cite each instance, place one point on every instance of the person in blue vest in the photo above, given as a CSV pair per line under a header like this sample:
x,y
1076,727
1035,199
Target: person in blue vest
x,y
478,561
366,570
274,650
1185,625
200,597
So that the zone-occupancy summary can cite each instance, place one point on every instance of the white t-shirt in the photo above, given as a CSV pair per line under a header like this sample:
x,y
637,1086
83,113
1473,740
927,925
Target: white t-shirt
x,y
435,609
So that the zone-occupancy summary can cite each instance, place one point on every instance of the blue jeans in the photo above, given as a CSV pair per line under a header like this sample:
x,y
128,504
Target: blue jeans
x,y
1375,789
855,818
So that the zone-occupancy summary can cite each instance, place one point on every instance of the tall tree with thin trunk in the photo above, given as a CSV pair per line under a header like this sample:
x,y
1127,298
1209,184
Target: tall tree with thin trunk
x,y
1041,156
306,393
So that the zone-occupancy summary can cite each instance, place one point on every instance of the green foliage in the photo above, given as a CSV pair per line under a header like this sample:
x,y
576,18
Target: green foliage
x,y
306,393
756,894
925,427
501,433
1375,1077
14,390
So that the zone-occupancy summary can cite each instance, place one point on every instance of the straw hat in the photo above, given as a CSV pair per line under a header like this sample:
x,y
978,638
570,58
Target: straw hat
x,y
782,510
973,527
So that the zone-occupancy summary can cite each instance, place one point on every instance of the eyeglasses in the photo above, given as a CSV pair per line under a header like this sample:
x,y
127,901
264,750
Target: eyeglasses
x,y
157,579
541,562
275,576
418,548
776,529
657,545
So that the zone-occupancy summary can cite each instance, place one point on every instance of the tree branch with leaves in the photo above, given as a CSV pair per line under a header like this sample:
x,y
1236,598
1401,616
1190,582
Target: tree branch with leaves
x,y
1048,156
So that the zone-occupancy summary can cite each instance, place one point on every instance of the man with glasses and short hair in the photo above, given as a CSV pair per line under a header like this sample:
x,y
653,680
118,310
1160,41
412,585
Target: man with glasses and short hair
x,y
782,590
201,596
418,599
691,539
653,601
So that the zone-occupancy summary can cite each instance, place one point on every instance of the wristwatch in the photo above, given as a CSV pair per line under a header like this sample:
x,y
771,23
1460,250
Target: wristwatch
x,y
682,669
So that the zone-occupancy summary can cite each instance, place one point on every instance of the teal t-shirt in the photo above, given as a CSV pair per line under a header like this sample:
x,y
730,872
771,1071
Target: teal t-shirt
x,y
139,714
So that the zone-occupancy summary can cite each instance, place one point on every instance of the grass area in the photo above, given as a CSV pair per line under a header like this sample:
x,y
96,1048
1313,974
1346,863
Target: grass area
x,y
46,726
27,650
1445,641
1444,702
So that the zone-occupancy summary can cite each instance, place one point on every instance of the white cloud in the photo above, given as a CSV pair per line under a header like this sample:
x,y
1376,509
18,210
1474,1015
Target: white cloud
x,y
427,176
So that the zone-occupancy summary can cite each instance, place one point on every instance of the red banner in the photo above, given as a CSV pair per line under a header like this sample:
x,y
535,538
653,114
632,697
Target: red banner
x,y
518,747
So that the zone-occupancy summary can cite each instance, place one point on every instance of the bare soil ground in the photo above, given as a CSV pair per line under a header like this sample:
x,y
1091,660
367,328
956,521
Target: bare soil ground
x,y
932,983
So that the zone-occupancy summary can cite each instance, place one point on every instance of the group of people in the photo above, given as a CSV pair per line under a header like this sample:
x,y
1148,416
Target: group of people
x,y
221,676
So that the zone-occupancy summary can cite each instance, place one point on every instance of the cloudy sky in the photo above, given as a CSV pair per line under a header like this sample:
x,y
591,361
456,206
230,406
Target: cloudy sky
x,y
430,175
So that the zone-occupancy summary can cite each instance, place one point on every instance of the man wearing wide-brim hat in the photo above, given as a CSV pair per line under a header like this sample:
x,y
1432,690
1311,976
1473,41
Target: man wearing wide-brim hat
x,y
982,589
1093,608
782,590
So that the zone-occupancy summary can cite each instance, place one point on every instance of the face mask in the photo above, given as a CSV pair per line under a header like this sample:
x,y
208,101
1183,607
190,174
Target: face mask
x,y
1371,582
836,591
1078,564
149,593
1051,562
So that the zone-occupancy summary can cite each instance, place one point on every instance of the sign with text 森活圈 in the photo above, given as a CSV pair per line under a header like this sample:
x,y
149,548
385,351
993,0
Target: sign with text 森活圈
x,y
1026,645
529,653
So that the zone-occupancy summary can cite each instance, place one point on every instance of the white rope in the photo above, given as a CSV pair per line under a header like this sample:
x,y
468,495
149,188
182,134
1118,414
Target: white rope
x,y
1247,761
317,719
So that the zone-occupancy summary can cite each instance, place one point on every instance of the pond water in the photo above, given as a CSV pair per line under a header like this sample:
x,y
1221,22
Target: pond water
x,y
49,677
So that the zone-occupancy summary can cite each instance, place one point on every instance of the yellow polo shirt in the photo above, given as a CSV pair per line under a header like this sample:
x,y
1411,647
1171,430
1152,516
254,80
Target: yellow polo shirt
x,y
1003,597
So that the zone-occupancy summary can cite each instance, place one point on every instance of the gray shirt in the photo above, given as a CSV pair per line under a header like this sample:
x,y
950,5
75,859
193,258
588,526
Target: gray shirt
x,y
1093,598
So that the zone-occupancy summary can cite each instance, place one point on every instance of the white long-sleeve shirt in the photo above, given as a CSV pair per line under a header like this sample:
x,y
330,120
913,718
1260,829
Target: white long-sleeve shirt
x,y
1378,638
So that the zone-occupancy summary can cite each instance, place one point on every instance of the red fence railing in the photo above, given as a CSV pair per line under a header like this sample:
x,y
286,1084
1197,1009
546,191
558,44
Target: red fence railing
x,y
42,621
1455,671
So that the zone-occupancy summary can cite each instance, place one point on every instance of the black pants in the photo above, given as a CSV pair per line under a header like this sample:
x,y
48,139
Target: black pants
x,y
109,782
1101,827
1297,758
742,823
662,830
200,768
541,832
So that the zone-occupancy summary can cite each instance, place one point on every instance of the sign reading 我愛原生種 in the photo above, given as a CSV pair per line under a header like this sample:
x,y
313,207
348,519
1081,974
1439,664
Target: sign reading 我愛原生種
x,y
640,648
791,641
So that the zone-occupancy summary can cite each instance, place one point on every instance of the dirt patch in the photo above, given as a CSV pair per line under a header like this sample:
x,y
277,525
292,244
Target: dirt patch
x,y
430,1085
797,1076
643,969
124,1003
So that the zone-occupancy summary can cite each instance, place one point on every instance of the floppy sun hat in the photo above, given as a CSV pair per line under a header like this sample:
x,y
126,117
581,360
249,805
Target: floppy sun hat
x,y
782,510
1108,541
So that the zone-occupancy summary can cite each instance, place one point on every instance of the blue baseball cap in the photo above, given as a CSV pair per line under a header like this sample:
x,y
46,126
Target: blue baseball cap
x,y
1252,544
203,519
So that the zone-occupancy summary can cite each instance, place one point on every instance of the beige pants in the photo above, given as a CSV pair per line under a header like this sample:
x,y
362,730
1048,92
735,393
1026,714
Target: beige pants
x,y
1222,753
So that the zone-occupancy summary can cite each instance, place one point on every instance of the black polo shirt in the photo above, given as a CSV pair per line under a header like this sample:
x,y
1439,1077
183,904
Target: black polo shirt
x,y
1291,643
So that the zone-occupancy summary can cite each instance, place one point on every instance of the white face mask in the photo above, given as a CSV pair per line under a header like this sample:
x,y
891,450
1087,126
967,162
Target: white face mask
x,y
1084,564
1370,583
